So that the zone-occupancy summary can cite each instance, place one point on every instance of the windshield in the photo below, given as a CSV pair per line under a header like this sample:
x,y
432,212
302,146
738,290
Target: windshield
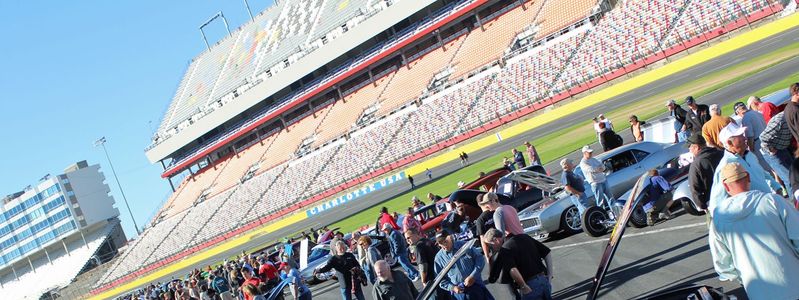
x,y
317,253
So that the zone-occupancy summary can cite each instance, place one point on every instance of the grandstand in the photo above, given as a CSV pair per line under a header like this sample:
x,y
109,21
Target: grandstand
x,y
444,70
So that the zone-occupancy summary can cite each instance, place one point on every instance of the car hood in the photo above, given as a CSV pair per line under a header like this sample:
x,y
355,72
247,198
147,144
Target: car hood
x,y
553,191
615,237
538,180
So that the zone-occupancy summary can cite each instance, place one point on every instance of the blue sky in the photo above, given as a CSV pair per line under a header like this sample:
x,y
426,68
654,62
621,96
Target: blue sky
x,y
75,71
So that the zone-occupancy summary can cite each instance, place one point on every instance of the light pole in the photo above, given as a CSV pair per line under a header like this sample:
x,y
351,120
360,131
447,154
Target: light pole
x,y
101,142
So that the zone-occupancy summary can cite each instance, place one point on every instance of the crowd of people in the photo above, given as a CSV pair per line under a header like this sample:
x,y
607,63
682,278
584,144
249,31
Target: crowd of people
x,y
743,176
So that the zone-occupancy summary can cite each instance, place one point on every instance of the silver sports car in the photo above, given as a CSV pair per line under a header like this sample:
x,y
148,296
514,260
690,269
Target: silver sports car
x,y
624,164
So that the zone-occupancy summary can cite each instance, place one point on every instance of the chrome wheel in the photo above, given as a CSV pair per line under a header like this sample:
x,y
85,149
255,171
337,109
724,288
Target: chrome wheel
x,y
571,221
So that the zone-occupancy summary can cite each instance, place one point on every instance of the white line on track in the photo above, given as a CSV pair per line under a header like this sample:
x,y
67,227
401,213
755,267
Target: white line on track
x,y
632,235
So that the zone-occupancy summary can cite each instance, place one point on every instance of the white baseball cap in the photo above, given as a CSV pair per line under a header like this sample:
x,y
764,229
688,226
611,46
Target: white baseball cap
x,y
731,130
586,148
670,102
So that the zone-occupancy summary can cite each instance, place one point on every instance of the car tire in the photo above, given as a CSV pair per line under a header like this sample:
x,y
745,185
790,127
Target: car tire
x,y
592,221
688,207
571,221
638,218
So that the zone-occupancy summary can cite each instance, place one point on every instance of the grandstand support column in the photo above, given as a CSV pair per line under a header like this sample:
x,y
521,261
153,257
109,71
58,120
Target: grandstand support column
x,y
31,264
65,247
437,33
479,22
83,237
48,256
340,95
15,272
171,185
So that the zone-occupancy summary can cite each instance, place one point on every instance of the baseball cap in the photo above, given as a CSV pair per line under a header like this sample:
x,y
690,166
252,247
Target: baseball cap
x,y
733,172
586,148
386,226
283,265
600,116
738,105
670,102
695,139
729,131
690,100
487,198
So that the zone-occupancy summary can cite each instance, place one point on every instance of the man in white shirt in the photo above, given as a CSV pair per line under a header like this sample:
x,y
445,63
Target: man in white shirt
x,y
754,238
594,172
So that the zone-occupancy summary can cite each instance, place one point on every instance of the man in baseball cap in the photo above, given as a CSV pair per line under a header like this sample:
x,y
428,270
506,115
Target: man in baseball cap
x,y
678,113
753,231
733,137
294,278
594,172
696,116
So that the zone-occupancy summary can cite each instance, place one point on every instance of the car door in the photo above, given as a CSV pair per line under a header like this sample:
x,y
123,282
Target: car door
x,y
624,170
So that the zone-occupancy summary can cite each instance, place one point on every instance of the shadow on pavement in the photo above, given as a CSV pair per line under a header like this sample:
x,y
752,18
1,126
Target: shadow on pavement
x,y
620,275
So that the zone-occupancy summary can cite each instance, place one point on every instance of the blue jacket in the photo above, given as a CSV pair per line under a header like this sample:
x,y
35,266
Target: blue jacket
x,y
470,264
397,243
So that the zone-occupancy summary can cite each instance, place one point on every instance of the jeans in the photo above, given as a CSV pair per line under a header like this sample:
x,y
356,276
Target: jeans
x,y
405,262
346,294
370,274
581,202
542,289
683,135
602,192
777,163
475,292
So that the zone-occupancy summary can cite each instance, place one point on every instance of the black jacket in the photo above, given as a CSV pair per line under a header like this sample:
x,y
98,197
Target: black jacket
x,y
694,122
701,172
343,265
610,140
792,118
401,288
679,114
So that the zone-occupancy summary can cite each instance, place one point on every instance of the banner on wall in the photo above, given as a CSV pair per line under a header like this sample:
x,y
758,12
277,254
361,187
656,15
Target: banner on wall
x,y
354,195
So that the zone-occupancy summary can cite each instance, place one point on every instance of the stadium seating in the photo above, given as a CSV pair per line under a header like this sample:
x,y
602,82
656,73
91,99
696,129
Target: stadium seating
x,y
290,139
359,155
276,38
487,43
625,34
348,110
558,14
241,162
702,16
413,78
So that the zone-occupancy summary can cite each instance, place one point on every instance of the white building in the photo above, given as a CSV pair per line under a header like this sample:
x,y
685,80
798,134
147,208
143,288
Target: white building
x,y
56,229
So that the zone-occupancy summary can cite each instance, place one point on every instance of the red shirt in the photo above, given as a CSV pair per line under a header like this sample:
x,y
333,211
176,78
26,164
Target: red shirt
x,y
768,110
386,218
267,271
254,281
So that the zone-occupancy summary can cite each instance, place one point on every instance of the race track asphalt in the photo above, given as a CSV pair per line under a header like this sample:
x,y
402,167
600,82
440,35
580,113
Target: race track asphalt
x,y
674,257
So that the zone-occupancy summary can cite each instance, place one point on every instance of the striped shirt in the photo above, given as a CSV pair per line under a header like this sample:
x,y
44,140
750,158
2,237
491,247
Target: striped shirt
x,y
776,135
